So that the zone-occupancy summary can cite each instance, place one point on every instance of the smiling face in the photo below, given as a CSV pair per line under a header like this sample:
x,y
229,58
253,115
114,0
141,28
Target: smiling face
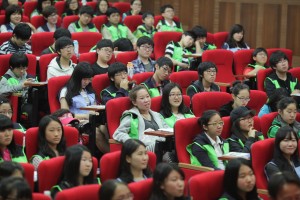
x,y
173,185
175,97
15,18
53,133
143,100
86,164
288,145
246,179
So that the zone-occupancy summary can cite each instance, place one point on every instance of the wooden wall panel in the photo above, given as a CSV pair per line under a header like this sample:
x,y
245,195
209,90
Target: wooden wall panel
x,y
248,16
226,16
293,27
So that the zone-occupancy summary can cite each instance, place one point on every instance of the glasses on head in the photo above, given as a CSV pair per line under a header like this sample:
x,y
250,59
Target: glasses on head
x,y
246,118
221,123
6,112
243,98
69,47
282,61
211,71
166,69
107,50
146,47
121,74
175,95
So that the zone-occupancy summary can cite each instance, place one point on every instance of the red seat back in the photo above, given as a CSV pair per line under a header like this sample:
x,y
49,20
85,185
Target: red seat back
x,y
93,4
141,189
161,39
40,196
241,59
99,83
110,164
31,142
123,7
156,102
133,21
29,173
84,44
141,77
266,121
79,193
127,56
18,137
29,7
41,41
60,7
99,21
257,100
5,37
184,79
210,38
261,76
220,38
67,20
4,64
288,53
295,72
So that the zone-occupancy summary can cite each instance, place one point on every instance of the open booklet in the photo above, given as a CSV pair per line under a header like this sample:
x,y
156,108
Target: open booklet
x,y
238,155
167,130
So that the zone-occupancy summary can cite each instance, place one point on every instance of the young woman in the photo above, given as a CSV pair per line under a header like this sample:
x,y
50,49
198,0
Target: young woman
x,y
172,105
6,109
9,168
168,183
51,17
135,9
208,145
239,181
242,129
72,8
9,151
51,140
240,93
134,162
235,40
114,189
284,186
15,188
77,170
102,7
41,5
287,112
286,155
139,118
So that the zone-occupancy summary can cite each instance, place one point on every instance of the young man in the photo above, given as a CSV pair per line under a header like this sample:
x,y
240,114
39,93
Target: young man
x,y
60,32
119,84
144,63
62,64
18,41
84,23
207,72
280,77
51,16
155,84
147,28
200,43
105,50
167,24
176,51
114,30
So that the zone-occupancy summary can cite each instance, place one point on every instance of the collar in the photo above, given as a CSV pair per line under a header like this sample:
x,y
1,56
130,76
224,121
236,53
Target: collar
x,y
173,23
218,141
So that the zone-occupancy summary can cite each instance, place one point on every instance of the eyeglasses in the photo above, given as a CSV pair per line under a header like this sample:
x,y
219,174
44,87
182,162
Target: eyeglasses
x,y
70,47
175,95
246,118
282,61
150,48
211,71
53,15
221,123
243,98
107,50
261,54
166,69
121,74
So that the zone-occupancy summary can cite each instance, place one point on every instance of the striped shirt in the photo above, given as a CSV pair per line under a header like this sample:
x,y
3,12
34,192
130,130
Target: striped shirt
x,y
9,47
179,53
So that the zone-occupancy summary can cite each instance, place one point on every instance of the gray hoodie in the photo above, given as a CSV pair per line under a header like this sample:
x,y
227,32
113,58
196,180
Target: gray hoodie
x,y
54,69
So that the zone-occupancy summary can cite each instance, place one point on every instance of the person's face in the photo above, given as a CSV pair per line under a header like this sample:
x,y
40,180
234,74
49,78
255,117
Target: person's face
x,y
246,179
85,19
261,58
173,185
136,6
6,137
145,50
175,97
15,18
105,54
19,42
53,133
238,36
19,71
67,52
103,6
12,2
138,159
187,41
242,98
143,100
86,164
210,75
282,66
149,21
119,77
168,14
215,126
289,191
73,5
163,72
289,113
52,19
288,145
114,18
5,109
202,40
122,193
246,123
45,4
85,82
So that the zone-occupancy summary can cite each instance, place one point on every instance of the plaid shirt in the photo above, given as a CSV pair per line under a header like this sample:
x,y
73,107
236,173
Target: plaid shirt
x,y
139,67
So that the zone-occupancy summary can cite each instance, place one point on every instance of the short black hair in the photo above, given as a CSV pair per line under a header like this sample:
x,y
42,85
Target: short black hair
x,y
190,33
18,60
115,68
12,9
86,10
22,31
60,32
123,44
63,42
146,14
276,57
144,40
199,31
205,66
39,6
49,10
112,10
105,43
164,7
164,61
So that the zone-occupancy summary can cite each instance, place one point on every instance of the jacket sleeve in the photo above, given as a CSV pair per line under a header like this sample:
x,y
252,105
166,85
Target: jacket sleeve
x,y
106,96
122,132
271,169
272,131
269,87
190,91
235,146
7,88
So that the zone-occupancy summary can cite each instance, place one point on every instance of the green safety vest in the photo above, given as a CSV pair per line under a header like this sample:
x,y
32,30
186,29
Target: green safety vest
x,y
255,66
111,94
117,32
134,125
275,82
165,27
91,27
142,31
210,151
172,119
154,92
20,159
261,137
177,55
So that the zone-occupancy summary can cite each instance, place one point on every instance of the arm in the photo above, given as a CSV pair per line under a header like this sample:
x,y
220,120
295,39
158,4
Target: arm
x,y
270,169
254,71
131,37
106,34
5,87
122,132
36,160
71,28
169,53
272,131
202,156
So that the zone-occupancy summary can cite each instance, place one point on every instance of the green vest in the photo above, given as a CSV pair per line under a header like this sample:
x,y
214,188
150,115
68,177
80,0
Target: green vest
x,y
172,119
210,151
134,125
142,31
11,80
261,137
275,82
178,53
111,94
165,27
91,27
154,92
117,32
19,159
210,46
256,65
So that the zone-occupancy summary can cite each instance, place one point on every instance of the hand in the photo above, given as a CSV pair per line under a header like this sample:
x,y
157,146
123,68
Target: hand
x,y
184,66
296,91
124,84
28,82
251,132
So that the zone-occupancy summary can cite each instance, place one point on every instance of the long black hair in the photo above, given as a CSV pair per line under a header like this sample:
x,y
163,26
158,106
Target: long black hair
x,y
128,148
43,147
81,71
279,159
236,28
165,108
6,123
231,176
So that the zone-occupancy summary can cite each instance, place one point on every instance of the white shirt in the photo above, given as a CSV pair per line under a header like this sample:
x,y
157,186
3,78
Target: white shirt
x,y
217,146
